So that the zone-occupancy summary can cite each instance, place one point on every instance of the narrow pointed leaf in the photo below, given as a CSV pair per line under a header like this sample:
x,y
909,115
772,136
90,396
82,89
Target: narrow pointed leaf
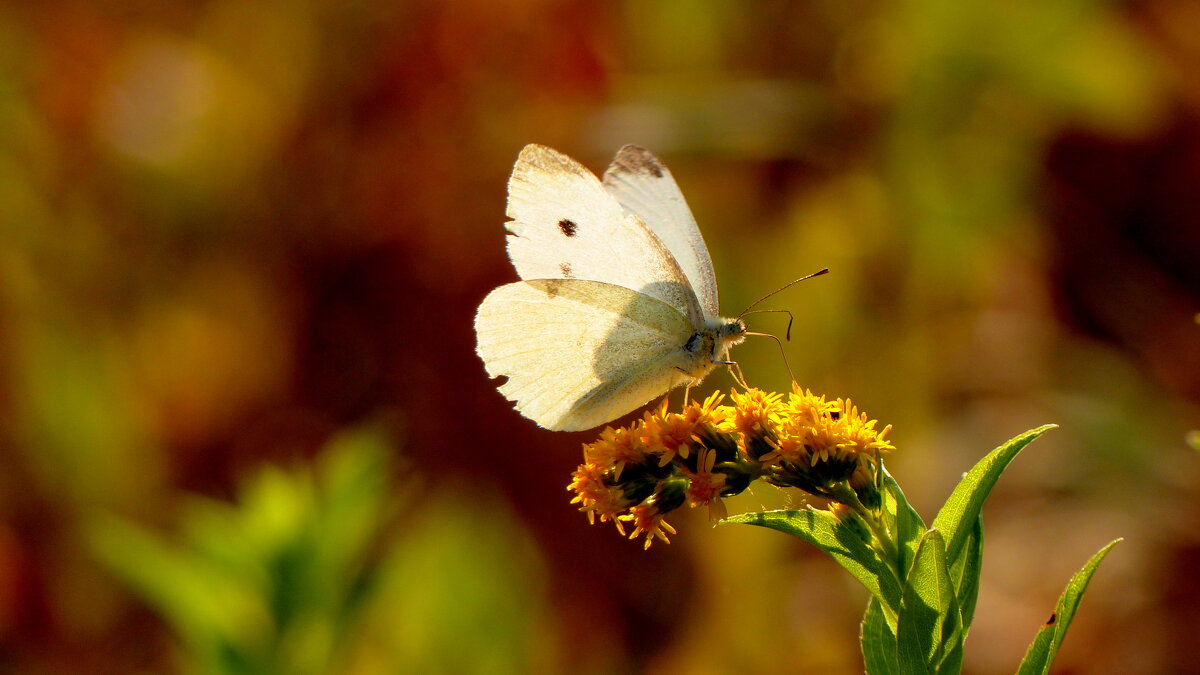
x,y
903,521
878,642
956,520
965,574
929,628
1046,644
843,542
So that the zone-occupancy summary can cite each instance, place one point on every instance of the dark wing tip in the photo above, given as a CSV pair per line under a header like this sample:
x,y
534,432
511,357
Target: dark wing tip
x,y
637,160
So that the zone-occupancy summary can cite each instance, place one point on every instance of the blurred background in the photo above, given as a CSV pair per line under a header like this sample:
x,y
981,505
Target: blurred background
x,y
244,429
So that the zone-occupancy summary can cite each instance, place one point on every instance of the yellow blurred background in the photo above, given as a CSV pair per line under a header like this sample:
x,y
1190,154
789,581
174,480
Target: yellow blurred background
x,y
245,431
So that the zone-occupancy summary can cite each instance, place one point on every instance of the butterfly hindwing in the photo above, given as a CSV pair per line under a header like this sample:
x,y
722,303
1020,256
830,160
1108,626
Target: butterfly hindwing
x,y
579,353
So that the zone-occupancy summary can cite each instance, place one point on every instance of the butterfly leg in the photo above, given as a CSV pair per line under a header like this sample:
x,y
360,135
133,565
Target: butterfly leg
x,y
735,369
687,387
738,375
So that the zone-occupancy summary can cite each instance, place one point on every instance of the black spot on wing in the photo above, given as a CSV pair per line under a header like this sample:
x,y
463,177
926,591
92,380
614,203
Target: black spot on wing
x,y
568,227
565,268
635,159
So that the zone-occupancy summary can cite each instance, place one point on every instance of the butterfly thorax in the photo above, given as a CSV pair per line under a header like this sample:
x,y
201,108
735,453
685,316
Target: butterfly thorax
x,y
710,344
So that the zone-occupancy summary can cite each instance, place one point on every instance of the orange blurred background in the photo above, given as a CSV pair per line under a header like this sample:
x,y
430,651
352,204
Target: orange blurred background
x,y
244,428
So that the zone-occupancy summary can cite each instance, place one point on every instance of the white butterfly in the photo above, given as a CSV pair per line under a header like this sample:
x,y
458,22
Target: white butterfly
x,y
618,302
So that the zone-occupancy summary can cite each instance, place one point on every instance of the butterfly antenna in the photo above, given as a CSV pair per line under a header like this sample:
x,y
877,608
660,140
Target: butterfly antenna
x,y
781,288
788,332
782,353
791,318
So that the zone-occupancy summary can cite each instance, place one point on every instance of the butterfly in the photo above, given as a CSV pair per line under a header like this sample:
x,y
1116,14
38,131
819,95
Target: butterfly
x,y
618,299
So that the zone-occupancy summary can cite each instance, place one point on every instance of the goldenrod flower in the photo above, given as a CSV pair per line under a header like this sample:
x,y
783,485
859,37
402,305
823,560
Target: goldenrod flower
x,y
614,449
648,521
756,415
705,485
708,451
822,443
596,496
673,434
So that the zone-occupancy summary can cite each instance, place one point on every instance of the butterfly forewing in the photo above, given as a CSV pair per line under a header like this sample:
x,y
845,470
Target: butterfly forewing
x,y
645,188
566,225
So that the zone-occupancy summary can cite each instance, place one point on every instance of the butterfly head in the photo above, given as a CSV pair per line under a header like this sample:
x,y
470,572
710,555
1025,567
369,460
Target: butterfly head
x,y
711,343
729,332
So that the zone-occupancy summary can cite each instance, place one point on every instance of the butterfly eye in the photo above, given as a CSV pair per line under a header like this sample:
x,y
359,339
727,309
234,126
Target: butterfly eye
x,y
735,327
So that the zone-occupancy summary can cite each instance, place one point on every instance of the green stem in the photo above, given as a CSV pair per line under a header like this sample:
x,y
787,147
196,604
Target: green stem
x,y
882,541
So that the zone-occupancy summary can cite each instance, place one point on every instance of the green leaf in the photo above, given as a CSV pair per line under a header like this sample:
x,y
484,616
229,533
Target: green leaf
x,y
965,574
841,540
878,642
277,581
902,521
929,627
205,602
957,517
1049,639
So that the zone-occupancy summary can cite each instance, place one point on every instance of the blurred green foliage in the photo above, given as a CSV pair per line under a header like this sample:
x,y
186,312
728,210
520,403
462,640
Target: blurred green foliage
x,y
276,582
316,570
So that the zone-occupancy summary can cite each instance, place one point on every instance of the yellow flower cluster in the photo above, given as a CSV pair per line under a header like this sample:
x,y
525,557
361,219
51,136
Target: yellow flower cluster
x,y
814,442
638,474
